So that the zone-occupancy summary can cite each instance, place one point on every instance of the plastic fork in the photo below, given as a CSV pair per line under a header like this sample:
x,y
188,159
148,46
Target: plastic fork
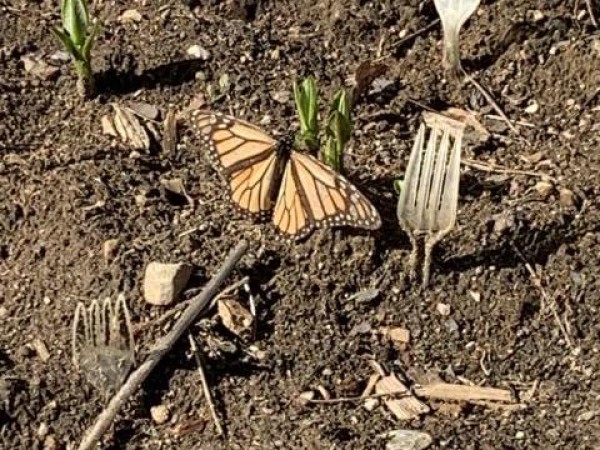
x,y
429,196
102,343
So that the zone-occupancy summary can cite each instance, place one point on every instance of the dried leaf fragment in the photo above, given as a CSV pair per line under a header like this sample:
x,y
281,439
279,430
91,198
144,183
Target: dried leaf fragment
x,y
365,74
235,317
130,129
406,408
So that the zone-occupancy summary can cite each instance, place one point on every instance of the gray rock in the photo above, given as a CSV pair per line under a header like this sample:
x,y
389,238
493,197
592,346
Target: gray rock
x,y
408,440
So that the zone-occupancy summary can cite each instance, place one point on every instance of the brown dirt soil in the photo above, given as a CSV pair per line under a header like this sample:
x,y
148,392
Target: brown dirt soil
x,y
67,188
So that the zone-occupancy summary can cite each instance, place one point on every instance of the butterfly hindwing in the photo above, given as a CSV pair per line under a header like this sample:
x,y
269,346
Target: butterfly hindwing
x,y
313,195
244,155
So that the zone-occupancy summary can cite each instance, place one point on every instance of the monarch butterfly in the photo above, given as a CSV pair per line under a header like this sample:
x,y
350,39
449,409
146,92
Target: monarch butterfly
x,y
264,176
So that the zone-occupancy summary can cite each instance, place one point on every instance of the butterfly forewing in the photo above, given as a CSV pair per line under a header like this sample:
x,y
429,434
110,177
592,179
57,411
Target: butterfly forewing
x,y
244,155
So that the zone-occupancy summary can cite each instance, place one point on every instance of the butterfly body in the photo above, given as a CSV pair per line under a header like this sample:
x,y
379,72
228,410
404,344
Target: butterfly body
x,y
269,177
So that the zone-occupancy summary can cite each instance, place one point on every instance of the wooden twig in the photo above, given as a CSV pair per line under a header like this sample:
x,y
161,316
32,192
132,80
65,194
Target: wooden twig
x,y
460,392
490,100
590,9
205,389
333,401
161,348
537,282
499,169
414,34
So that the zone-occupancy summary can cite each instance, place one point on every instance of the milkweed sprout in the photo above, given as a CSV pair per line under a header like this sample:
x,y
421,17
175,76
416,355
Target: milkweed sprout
x,y
338,131
306,97
338,128
77,36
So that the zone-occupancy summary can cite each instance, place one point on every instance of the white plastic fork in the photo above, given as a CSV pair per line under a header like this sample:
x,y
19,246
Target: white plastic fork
x,y
102,343
429,197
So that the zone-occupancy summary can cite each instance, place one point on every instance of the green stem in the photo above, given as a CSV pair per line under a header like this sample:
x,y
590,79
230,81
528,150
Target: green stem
x,y
86,84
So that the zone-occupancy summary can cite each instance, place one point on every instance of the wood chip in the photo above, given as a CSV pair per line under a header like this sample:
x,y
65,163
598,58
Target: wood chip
x,y
169,141
460,392
108,126
235,317
370,387
324,392
406,408
41,349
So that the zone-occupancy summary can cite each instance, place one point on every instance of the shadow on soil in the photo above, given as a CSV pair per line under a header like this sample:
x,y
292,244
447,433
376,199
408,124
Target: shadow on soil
x,y
536,245
118,82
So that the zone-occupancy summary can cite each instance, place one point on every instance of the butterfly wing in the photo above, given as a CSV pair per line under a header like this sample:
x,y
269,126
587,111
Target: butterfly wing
x,y
244,155
312,195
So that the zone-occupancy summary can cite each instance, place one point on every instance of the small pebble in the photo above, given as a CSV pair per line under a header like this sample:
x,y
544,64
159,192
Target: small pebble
x,y
130,15
50,443
544,188
281,96
408,440
532,108
109,249
38,67
198,52
520,435
305,397
60,56
370,404
159,414
3,312
443,309
567,198
399,335
451,325
42,430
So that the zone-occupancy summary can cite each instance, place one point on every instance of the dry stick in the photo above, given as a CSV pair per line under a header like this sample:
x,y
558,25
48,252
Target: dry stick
x,y
490,100
538,284
411,36
497,169
207,396
161,348
333,401
590,8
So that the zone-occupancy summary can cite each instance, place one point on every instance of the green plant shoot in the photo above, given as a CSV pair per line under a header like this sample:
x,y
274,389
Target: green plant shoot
x,y
307,104
338,131
77,36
